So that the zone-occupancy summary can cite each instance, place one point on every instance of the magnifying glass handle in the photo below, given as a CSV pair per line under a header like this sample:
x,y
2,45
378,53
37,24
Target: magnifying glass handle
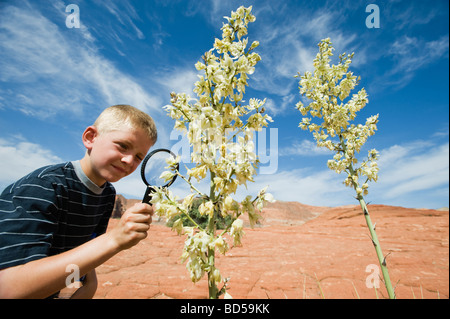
x,y
148,195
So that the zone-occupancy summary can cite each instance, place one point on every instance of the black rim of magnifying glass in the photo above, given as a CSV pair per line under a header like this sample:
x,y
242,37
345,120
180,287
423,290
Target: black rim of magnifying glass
x,y
144,163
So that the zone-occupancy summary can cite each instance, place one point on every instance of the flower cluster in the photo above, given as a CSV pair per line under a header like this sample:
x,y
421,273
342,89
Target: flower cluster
x,y
328,87
220,128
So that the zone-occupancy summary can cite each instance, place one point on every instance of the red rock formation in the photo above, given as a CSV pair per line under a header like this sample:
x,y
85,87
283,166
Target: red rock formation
x,y
298,252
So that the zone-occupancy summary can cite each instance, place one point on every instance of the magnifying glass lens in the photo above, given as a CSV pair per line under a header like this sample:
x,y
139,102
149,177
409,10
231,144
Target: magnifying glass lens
x,y
156,165
153,166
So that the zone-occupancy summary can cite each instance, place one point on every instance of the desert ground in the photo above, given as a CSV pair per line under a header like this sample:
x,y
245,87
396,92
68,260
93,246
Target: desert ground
x,y
297,252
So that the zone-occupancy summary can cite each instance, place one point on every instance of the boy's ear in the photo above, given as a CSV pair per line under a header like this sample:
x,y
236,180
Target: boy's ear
x,y
89,136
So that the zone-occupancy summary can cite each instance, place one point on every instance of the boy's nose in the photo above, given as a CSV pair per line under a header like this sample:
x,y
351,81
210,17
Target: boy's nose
x,y
128,159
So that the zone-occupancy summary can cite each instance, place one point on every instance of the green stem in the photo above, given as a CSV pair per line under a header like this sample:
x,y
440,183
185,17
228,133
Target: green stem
x,y
239,213
184,213
376,243
184,113
191,220
373,234
211,230
241,129
191,185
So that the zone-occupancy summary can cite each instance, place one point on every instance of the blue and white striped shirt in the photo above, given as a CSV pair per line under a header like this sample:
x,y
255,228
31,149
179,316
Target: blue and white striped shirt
x,y
49,211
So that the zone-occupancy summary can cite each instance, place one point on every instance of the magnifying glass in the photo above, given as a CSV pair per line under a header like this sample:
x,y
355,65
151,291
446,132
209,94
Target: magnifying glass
x,y
153,165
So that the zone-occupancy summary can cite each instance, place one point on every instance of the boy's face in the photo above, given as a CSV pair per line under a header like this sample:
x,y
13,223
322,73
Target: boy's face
x,y
114,155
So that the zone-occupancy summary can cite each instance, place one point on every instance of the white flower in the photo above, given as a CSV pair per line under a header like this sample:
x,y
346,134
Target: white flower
x,y
188,200
166,176
236,232
221,245
216,277
220,130
322,87
206,208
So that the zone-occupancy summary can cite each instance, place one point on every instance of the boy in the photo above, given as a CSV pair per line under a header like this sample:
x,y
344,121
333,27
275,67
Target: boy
x,y
49,217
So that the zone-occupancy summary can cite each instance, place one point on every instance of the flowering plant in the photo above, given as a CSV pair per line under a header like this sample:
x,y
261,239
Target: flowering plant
x,y
328,87
220,129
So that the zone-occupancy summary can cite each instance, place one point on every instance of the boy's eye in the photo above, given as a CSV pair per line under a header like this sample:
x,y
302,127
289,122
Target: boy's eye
x,y
126,147
123,146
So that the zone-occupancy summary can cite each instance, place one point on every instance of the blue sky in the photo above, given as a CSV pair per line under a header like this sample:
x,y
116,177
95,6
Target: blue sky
x,y
54,81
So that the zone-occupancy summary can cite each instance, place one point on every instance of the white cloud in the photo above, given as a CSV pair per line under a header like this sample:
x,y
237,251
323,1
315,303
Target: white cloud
x,y
407,173
287,101
131,186
179,80
116,87
66,70
320,188
410,54
409,18
408,169
289,45
125,14
19,157
304,148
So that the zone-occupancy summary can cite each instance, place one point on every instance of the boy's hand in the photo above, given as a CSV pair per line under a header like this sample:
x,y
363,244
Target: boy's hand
x,y
133,226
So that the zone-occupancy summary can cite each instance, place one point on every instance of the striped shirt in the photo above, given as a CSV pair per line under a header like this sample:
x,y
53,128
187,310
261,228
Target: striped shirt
x,y
49,211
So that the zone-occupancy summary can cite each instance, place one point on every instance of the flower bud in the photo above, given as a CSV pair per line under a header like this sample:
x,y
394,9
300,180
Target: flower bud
x,y
254,45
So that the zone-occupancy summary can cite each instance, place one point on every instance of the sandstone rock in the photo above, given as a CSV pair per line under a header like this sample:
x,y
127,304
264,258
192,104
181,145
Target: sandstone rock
x,y
299,252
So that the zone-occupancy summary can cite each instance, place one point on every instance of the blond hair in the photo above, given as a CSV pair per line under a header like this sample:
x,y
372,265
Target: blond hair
x,y
118,117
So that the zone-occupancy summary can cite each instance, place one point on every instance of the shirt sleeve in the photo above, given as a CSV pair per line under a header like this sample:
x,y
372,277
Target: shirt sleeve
x,y
28,211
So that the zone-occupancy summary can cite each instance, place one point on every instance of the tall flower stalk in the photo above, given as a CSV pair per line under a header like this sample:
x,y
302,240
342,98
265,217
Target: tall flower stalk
x,y
220,128
328,87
